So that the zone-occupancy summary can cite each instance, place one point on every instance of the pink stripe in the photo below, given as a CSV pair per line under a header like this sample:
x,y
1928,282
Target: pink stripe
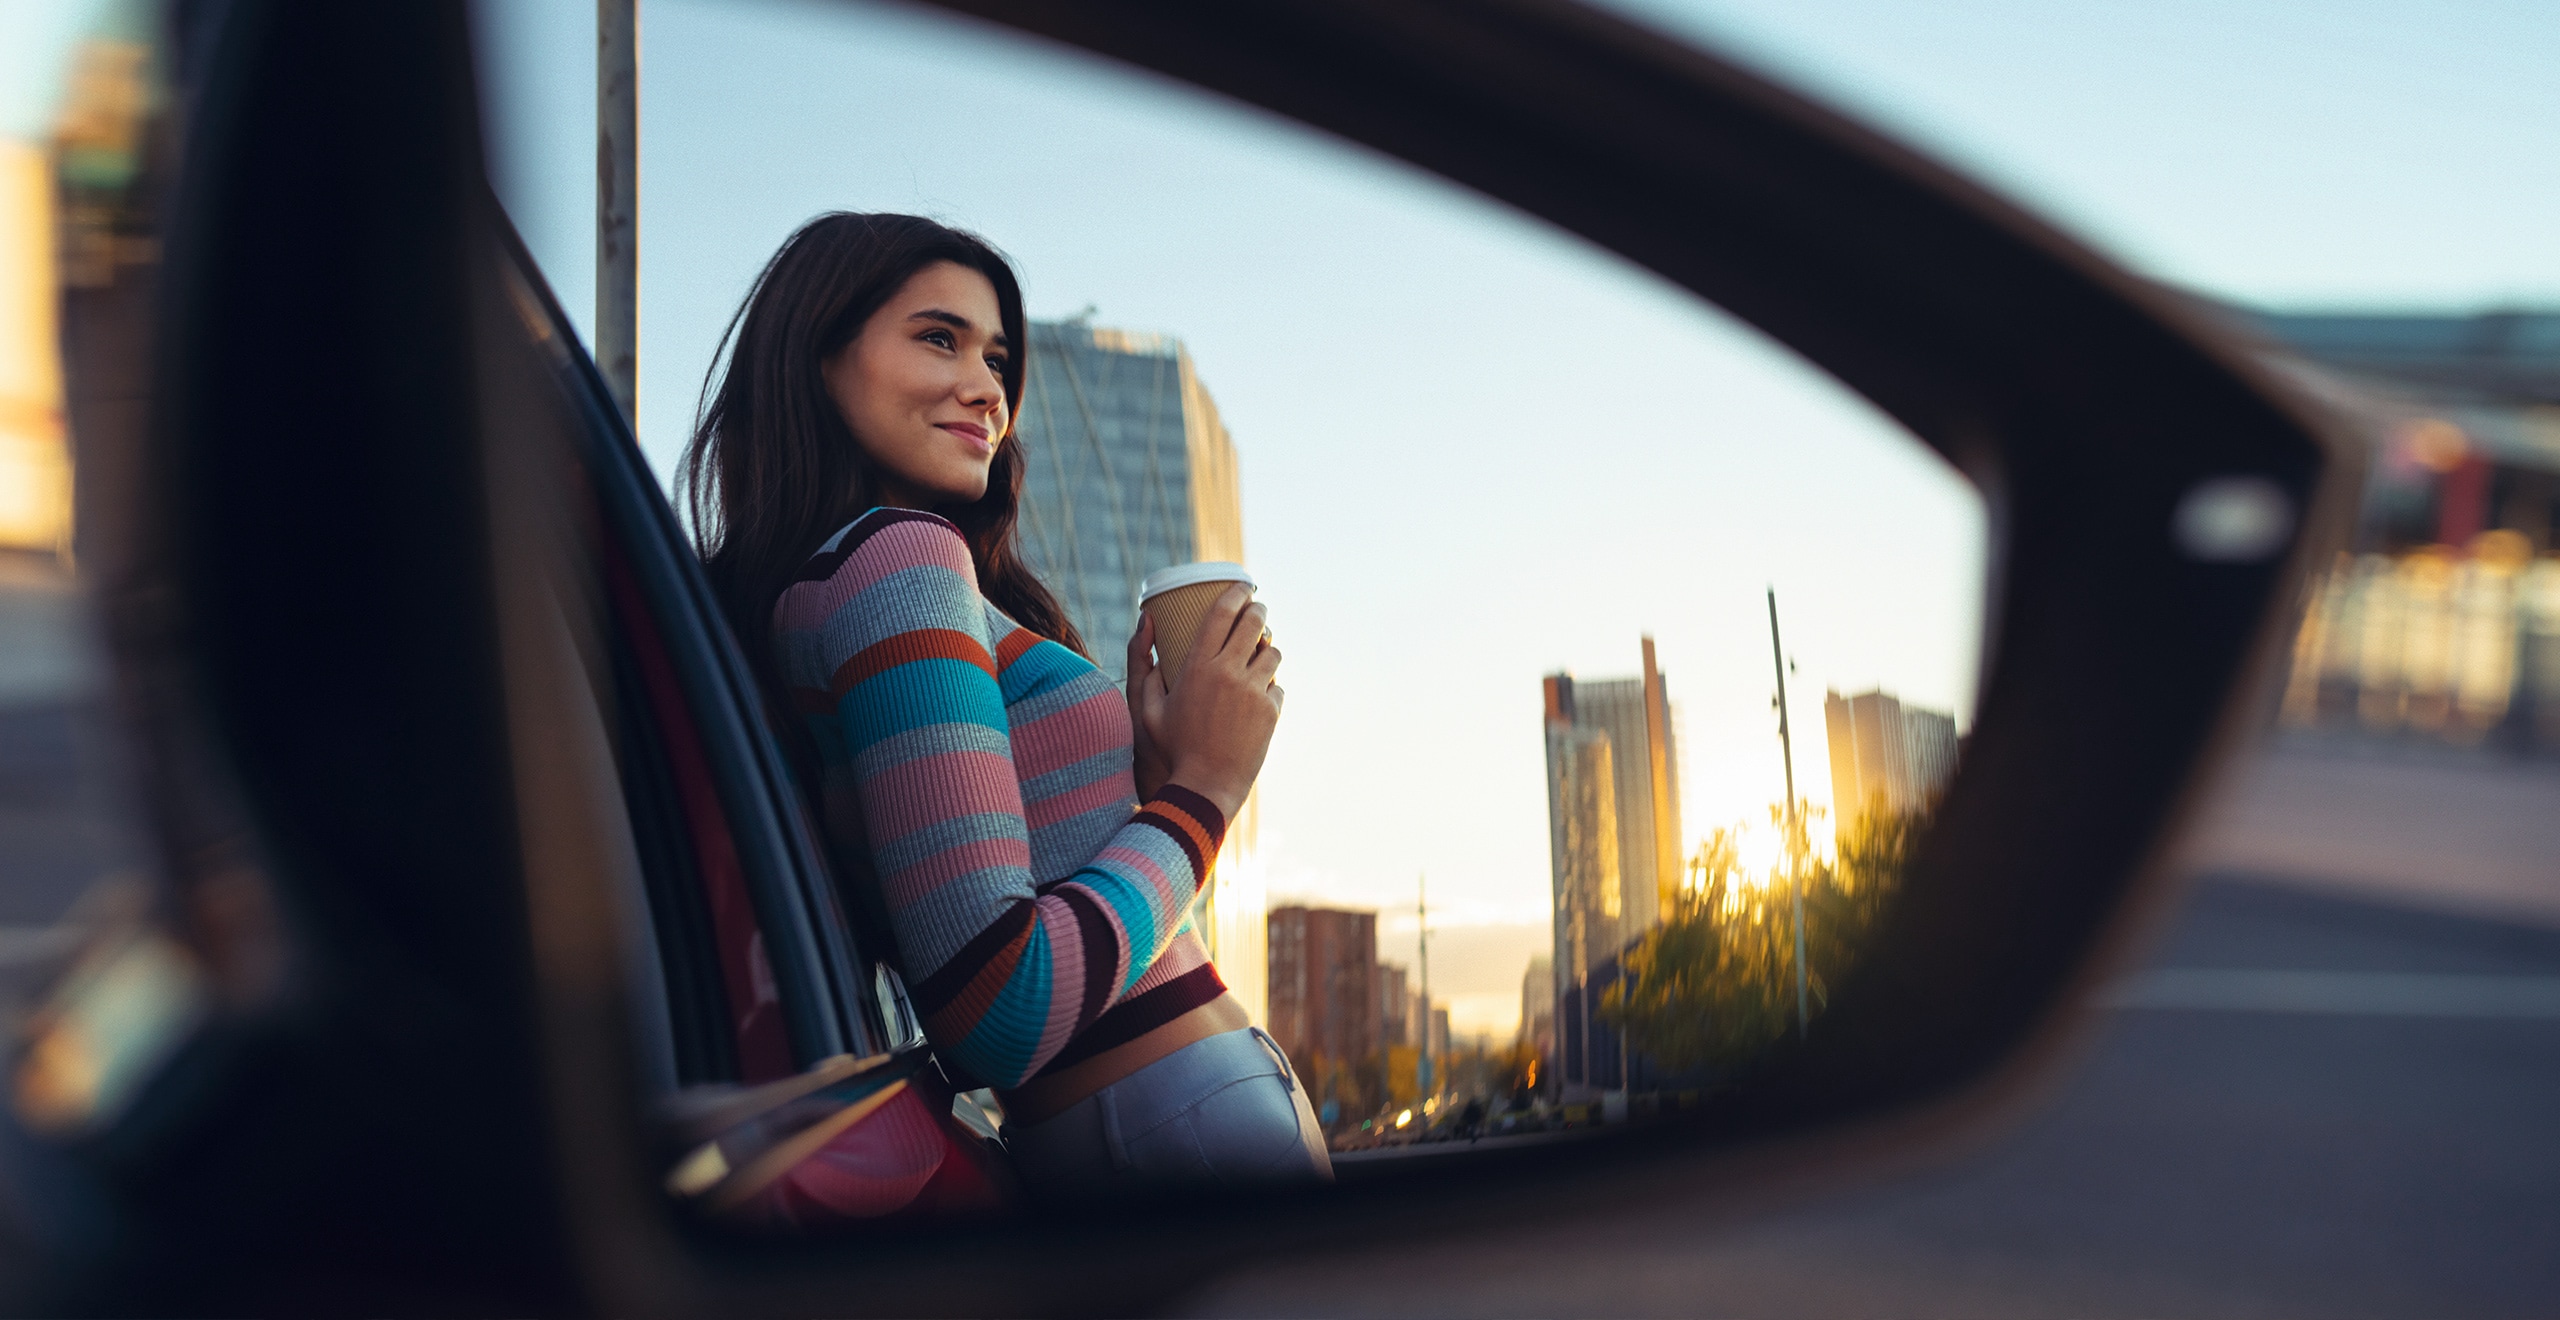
x,y
918,882
1066,974
1120,951
1063,737
913,794
1107,791
907,545
1186,953
1143,869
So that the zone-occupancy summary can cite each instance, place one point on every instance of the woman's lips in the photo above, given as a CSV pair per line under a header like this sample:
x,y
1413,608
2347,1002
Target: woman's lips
x,y
976,435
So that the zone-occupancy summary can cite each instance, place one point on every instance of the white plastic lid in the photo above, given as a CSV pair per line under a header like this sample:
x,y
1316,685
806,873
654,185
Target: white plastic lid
x,y
1184,575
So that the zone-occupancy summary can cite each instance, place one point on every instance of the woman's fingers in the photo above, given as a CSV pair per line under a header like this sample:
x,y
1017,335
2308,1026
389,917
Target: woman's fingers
x,y
1142,660
1220,621
1246,632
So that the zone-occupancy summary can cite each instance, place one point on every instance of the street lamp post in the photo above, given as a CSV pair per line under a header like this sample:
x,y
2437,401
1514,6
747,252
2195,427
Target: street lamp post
x,y
617,330
1795,862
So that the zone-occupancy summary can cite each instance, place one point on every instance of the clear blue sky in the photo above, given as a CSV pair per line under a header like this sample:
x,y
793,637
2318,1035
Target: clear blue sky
x,y
1475,450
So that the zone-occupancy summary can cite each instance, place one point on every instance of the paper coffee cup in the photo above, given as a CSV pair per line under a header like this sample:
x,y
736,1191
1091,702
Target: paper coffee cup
x,y
1178,598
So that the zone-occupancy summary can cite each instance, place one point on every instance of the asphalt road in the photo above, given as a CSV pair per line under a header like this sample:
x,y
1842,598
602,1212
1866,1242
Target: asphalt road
x,y
2334,1091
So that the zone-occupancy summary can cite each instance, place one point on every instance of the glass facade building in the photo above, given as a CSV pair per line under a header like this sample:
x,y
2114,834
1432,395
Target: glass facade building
x,y
1614,852
1130,471
1885,755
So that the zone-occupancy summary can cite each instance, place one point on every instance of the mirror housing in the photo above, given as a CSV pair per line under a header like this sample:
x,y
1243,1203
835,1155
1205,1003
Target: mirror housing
x,y
451,1053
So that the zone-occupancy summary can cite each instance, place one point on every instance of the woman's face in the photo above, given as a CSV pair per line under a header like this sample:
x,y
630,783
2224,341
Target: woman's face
x,y
922,387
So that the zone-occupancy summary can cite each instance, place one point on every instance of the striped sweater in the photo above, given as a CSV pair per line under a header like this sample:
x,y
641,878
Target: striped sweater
x,y
983,774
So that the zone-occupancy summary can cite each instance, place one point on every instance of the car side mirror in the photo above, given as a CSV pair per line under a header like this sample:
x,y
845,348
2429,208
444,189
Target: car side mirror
x,y
402,632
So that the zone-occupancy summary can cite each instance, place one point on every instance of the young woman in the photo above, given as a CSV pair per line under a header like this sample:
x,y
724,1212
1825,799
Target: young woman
x,y
1035,838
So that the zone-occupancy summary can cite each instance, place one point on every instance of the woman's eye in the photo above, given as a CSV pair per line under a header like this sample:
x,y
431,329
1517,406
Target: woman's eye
x,y
938,338
996,364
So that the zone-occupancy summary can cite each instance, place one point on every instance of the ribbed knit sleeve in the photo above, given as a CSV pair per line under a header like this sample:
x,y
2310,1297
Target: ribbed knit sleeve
x,y
885,644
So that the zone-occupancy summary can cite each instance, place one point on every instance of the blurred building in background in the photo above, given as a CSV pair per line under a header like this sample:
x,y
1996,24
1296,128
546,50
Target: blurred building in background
x,y
1538,1010
1395,1007
1885,755
1324,1000
1613,832
2442,619
1130,470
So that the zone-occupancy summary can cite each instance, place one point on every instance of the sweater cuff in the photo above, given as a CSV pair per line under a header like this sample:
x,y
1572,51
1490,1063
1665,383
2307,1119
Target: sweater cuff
x,y
1191,818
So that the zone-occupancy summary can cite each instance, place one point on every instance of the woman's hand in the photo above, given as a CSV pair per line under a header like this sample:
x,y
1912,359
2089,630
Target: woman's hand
x,y
1210,730
1148,763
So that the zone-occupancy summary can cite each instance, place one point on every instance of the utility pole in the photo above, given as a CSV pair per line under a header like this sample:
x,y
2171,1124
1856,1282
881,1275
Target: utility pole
x,y
617,335
1423,1078
1795,863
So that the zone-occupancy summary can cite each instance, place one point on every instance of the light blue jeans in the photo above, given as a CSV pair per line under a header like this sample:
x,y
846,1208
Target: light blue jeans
x,y
1219,1113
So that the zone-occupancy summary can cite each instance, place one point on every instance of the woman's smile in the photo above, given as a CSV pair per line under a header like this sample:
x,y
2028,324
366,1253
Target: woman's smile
x,y
921,387
974,435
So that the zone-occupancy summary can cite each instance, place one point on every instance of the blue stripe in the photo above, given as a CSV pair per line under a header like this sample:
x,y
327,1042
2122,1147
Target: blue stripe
x,y
1046,665
916,694
1130,901
1000,1047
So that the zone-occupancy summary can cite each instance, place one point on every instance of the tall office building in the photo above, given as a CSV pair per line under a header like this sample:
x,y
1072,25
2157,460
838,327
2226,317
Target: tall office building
x,y
1928,752
1885,754
1613,832
1324,985
1130,470
1582,833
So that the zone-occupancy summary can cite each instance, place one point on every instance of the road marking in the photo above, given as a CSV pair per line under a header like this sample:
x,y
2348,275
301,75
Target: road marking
x,y
2371,994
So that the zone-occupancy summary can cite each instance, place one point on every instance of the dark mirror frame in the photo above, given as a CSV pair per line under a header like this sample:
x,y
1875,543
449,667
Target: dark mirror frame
x,y
354,451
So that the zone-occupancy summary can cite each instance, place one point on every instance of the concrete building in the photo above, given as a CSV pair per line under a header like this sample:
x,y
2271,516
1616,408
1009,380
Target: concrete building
x,y
1130,470
1395,1007
1885,755
1324,986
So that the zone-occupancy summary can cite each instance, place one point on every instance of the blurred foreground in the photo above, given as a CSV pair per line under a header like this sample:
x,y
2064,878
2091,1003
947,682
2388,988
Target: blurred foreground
x,y
2373,1139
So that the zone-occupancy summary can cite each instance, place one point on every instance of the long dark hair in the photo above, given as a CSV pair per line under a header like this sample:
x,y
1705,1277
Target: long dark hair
x,y
772,470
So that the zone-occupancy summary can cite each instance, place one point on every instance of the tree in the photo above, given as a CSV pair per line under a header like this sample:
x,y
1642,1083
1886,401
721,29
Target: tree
x,y
1714,985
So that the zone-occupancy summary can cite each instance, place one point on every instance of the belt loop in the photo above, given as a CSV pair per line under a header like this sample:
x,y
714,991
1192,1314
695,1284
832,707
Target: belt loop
x,y
1288,1074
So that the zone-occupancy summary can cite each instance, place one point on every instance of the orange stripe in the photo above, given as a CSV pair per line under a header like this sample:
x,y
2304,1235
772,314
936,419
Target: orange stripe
x,y
958,1018
1013,645
1190,825
920,644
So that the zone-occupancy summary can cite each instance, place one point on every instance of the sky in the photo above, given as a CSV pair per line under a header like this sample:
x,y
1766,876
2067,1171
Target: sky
x,y
1476,450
